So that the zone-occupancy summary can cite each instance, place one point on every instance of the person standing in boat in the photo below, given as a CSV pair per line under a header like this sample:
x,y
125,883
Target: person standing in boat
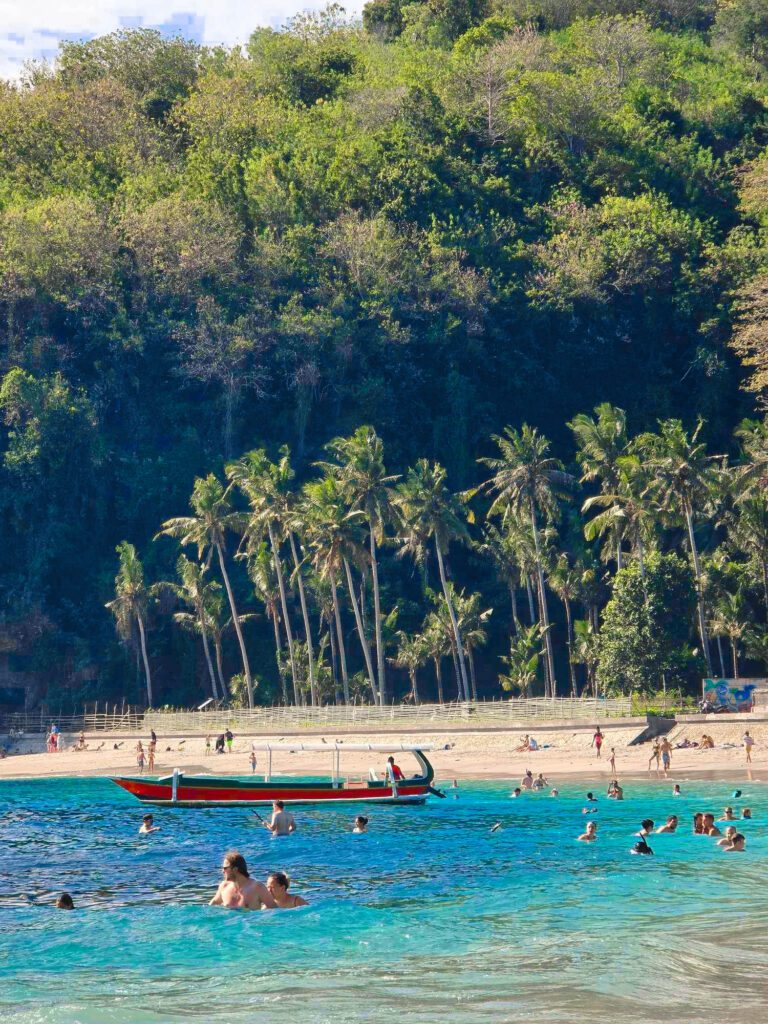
x,y
283,822
394,774
238,890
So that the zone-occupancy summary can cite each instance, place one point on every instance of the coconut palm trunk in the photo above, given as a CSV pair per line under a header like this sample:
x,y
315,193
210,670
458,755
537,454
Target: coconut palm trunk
x,y
236,623
340,638
454,621
472,677
619,555
544,607
515,616
377,617
361,633
529,589
571,666
439,679
699,594
207,649
721,655
284,604
219,665
278,654
305,615
147,673
735,657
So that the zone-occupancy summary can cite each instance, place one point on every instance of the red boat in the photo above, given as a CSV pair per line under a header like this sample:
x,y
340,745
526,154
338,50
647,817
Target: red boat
x,y
223,791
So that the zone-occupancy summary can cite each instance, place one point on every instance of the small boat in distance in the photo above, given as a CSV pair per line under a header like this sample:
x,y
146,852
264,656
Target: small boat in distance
x,y
223,791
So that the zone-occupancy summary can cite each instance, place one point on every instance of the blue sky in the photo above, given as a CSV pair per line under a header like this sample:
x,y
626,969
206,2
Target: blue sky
x,y
31,29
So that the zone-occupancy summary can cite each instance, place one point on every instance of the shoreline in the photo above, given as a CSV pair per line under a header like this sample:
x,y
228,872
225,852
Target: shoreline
x,y
565,752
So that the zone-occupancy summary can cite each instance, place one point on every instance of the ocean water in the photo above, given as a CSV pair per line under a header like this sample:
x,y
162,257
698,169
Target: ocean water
x,y
428,918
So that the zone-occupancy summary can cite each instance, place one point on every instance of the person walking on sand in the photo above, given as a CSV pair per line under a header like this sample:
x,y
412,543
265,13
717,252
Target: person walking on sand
x,y
655,755
613,761
140,757
151,755
597,740
238,890
252,760
229,738
748,742
207,745
666,754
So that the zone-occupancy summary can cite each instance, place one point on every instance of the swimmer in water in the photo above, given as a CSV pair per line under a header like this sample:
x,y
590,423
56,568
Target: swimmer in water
x,y
646,827
698,823
277,884
148,825
727,815
746,813
669,826
737,845
238,890
554,792
708,826
65,902
642,847
728,835
516,792
676,791
591,833
361,824
283,822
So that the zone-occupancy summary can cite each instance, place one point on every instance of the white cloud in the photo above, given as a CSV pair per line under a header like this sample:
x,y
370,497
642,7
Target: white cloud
x,y
33,31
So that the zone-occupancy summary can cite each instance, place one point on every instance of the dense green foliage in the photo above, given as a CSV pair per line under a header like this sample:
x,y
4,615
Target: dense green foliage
x,y
456,216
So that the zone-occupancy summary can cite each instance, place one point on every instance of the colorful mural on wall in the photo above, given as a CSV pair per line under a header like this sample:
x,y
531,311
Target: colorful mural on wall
x,y
735,694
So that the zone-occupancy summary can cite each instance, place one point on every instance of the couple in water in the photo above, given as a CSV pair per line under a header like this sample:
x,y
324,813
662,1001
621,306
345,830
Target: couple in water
x,y
238,891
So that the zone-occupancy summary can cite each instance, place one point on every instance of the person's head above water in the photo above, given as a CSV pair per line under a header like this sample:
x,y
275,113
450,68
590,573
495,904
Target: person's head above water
x,y
554,792
746,813
646,824
234,864
278,880
65,902
738,842
642,847
361,821
590,796
516,791
147,819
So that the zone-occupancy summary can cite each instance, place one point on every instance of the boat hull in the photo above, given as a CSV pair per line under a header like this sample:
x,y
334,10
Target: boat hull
x,y
199,791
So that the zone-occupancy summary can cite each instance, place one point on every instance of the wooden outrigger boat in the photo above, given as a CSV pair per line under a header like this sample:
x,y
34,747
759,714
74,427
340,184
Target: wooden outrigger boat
x,y
223,791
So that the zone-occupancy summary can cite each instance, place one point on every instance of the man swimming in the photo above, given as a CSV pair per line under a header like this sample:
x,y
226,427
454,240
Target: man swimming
x,y
708,826
669,826
238,890
728,835
727,815
737,845
148,825
283,822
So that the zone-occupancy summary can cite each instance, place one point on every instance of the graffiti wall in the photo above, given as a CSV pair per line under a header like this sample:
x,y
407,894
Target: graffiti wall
x,y
735,694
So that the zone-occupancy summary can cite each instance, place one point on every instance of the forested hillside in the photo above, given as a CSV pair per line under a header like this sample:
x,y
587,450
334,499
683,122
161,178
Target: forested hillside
x,y
457,217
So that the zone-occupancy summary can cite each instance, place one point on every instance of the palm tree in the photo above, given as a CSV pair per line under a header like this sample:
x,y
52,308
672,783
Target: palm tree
x,y
584,651
206,528
565,580
730,620
525,649
261,569
683,479
130,603
500,549
334,534
368,488
601,443
528,479
428,510
193,590
265,485
748,534
412,654
436,646
472,618
752,473
626,511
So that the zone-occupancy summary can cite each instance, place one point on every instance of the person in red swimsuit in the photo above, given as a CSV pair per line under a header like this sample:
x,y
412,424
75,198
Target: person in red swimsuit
x,y
597,740
393,771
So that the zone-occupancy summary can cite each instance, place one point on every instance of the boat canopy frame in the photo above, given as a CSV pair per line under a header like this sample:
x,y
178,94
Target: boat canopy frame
x,y
336,748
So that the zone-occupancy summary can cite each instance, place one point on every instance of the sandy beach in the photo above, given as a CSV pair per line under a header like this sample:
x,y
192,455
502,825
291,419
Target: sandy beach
x,y
456,754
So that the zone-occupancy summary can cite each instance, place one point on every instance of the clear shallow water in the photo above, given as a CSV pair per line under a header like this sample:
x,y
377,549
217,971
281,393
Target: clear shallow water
x,y
428,918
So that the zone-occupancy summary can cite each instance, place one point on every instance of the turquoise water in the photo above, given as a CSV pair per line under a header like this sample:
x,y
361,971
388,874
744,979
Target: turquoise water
x,y
428,918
